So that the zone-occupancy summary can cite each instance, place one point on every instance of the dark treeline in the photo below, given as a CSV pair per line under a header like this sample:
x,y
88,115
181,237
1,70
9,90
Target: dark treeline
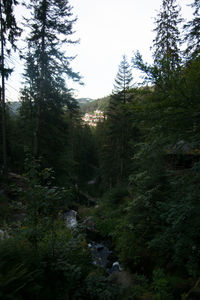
x,y
143,160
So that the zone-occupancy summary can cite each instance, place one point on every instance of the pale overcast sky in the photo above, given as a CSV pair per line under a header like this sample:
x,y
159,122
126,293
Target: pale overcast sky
x,y
108,29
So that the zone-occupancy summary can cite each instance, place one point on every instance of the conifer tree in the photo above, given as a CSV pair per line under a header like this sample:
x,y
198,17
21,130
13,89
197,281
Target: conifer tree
x,y
193,32
9,33
123,79
166,44
166,48
117,152
47,65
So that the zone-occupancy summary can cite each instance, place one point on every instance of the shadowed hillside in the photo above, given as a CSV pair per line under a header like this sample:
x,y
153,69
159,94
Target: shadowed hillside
x,y
101,104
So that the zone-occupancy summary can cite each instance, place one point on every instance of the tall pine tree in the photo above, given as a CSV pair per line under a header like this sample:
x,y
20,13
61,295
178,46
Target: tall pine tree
x,y
119,130
123,80
193,32
166,48
166,45
47,68
47,64
9,33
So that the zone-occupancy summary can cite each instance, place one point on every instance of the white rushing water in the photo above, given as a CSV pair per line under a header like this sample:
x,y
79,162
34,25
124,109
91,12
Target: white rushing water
x,y
70,218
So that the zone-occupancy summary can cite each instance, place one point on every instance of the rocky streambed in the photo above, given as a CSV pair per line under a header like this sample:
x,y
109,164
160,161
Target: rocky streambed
x,y
101,254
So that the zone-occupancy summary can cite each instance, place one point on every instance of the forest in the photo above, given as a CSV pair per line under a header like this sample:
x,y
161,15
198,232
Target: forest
x,y
132,182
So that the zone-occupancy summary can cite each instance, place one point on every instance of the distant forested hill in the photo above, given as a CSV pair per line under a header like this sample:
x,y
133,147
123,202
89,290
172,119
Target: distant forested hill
x,y
101,104
83,101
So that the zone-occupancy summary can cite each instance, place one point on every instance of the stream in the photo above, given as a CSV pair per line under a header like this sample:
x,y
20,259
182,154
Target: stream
x,y
101,254
70,219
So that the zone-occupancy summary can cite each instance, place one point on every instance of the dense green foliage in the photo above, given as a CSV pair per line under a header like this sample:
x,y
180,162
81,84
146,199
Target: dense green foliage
x,y
155,225
141,163
43,259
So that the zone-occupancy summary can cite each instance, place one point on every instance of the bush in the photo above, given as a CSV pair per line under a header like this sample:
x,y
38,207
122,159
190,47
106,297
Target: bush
x,y
100,288
45,273
161,286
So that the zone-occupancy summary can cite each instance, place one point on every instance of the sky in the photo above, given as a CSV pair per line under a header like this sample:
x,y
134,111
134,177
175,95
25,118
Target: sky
x,y
107,30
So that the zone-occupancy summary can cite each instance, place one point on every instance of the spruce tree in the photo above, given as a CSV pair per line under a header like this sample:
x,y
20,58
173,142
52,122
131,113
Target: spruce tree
x,y
47,68
167,57
193,32
123,80
166,45
117,151
9,33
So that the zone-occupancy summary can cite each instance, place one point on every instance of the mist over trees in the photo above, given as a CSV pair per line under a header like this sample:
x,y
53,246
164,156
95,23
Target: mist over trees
x,y
133,179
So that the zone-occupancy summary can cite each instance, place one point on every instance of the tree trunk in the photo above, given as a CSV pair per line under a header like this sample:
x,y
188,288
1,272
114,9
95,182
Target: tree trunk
x,y
42,78
3,97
